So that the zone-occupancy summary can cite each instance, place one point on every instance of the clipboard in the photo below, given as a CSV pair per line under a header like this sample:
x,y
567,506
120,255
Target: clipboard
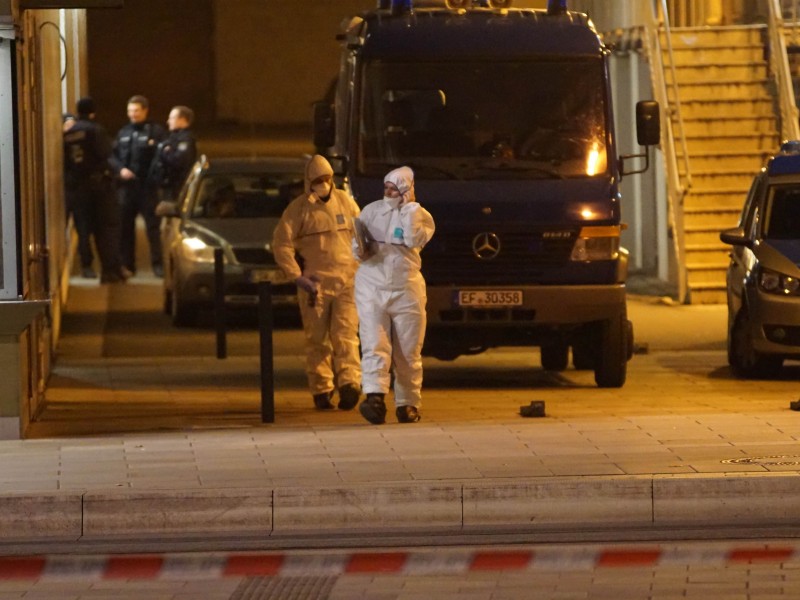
x,y
364,241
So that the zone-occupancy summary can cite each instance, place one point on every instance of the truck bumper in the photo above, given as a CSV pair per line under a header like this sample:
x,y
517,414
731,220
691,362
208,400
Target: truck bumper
x,y
547,314
541,305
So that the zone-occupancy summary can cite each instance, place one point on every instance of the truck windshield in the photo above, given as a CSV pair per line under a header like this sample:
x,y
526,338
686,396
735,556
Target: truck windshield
x,y
484,119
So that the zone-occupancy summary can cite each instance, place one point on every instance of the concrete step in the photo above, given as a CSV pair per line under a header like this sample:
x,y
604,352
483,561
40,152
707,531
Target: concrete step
x,y
707,277
732,159
688,55
731,107
757,142
707,294
732,199
711,218
720,37
705,236
721,90
708,256
702,126
711,180
701,72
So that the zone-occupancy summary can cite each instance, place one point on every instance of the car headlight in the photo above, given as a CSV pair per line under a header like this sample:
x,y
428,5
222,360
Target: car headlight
x,y
773,282
196,250
596,243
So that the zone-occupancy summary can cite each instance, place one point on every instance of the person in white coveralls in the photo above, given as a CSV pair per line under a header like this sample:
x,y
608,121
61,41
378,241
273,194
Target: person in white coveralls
x,y
390,298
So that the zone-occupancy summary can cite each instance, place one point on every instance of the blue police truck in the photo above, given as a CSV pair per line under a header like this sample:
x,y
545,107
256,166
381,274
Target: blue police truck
x,y
505,116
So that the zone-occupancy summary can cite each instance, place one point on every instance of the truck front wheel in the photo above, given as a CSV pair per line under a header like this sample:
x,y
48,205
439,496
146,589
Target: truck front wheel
x,y
611,365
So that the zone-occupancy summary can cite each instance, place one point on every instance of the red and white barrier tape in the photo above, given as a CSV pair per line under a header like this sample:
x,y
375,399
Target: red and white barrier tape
x,y
428,562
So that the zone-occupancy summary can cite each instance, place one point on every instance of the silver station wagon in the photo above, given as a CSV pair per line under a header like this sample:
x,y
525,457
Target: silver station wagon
x,y
233,204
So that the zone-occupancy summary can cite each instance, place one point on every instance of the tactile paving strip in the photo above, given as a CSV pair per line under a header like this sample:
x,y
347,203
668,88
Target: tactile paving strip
x,y
285,588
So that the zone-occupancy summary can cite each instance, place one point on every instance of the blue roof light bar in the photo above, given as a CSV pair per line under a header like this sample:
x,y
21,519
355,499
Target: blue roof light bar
x,y
402,7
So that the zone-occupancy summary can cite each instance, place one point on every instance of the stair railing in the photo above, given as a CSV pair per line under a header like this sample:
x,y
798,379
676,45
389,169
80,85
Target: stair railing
x,y
779,66
791,14
676,190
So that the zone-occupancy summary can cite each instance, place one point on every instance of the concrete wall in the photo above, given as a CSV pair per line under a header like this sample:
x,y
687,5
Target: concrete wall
x,y
276,57
234,61
162,49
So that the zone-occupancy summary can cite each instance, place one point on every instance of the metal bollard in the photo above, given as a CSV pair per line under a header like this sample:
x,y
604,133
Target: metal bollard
x,y
219,303
265,325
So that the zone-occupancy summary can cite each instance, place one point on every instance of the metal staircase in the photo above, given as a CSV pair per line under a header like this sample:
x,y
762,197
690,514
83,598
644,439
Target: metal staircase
x,y
729,124
729,100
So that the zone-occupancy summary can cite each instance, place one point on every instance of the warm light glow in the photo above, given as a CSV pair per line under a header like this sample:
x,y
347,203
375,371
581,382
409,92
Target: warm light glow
x,y
593,160
587,213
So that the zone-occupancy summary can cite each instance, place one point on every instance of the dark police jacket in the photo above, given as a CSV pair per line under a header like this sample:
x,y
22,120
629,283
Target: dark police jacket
x,y
174,159
87,152
135,147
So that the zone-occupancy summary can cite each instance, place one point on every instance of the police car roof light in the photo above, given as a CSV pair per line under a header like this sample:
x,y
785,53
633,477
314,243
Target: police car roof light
x,y
784,164
556,7
790,147
402,7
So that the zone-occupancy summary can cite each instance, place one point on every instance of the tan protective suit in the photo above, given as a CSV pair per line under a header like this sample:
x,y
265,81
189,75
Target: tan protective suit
x,y
321,232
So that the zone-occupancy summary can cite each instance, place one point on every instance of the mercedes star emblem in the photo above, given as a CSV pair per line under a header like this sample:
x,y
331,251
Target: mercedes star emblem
x,y
486,246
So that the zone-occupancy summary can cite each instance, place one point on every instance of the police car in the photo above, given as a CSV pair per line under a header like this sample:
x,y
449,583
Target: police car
x,y
763,279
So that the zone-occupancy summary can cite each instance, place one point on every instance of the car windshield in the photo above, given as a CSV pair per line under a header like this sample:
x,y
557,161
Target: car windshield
x,y
484,119
782,218
246,195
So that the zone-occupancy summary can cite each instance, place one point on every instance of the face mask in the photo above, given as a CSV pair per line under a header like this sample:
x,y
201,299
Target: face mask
x,y
322,190
393,202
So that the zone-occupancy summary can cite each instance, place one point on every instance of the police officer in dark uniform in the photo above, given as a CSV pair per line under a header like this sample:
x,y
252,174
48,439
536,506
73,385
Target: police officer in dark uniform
x,y
89,190
176,154
134,151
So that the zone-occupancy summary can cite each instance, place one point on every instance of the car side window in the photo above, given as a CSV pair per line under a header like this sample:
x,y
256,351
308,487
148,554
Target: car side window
x,y
782,213
749,218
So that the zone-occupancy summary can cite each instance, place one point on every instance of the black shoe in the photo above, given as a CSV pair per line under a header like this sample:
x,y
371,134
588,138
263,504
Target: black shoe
x,y
373,409
323,401
349,395
88,273
158,271
407,414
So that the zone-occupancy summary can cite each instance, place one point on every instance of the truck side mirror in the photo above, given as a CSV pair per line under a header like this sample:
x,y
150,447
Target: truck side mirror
x,y
648,123
324,130
648,133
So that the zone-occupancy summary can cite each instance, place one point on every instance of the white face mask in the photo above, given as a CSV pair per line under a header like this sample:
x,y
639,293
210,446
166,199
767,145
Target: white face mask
x,y
393,202
321,190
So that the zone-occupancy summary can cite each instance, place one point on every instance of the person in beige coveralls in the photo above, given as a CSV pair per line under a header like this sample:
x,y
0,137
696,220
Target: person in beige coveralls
x,y
318,226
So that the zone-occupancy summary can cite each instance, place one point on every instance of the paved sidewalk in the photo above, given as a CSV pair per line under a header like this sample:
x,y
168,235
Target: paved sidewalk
x,y
681,445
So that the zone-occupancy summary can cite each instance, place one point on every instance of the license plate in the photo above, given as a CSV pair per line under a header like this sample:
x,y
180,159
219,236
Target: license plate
x,y
271,275
489,298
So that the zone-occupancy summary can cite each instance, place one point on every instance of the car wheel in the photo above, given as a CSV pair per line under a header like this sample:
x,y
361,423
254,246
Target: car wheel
x,y
183,314
743,358
611,366
555,356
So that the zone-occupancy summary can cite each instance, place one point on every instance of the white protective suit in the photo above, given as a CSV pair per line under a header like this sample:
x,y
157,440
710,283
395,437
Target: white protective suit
x,y
321,233
390,293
